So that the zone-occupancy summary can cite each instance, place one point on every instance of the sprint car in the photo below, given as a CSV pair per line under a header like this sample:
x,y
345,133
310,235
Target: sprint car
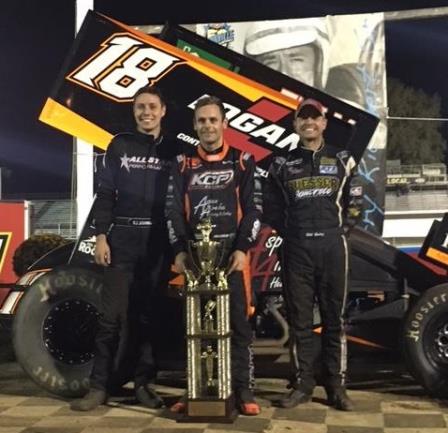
x,y
396,303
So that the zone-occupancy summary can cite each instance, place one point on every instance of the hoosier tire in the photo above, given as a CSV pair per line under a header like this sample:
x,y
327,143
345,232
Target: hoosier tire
x,y
426,340
54,329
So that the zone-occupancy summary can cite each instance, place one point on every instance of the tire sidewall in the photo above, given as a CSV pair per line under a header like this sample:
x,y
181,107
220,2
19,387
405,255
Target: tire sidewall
x,y
49,290
430,306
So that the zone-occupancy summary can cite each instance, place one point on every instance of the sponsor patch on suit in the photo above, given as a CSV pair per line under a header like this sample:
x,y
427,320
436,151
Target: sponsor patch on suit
x,y
328,169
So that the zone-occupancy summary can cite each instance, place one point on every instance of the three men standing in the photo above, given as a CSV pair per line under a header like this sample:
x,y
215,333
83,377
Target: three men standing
x,y
309,197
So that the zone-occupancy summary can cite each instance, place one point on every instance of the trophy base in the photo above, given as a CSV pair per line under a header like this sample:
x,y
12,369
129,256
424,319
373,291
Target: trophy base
x,y
210,410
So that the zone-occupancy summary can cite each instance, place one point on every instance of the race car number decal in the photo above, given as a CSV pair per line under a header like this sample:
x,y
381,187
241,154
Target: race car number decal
x,y
122,66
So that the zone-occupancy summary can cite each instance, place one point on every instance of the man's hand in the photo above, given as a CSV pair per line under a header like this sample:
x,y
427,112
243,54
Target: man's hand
x,y
180,262
102,251
237,261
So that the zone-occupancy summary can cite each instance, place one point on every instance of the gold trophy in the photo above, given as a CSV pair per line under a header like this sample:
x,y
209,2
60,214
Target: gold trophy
x,y
209,383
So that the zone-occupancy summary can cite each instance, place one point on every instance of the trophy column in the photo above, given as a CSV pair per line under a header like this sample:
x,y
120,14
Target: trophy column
x,y
209,382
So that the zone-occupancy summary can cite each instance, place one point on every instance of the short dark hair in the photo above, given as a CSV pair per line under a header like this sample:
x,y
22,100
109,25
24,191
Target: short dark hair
x,y
152,90
210,100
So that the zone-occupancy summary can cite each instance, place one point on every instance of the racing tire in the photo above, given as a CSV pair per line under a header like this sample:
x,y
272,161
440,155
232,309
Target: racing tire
x,y
425,340
54,329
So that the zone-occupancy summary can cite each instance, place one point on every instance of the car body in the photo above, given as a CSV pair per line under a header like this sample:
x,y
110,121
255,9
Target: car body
x,y
396,304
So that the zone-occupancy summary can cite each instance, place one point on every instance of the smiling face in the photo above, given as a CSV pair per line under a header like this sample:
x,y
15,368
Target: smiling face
x,y
209,126
148,113
310,125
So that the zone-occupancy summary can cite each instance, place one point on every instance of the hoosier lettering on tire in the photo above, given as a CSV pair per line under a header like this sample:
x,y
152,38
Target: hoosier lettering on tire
x,y
54,329
426,340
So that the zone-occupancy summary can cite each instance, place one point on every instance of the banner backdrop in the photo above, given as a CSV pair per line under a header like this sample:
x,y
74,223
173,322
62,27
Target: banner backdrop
x,y
109,61
343,55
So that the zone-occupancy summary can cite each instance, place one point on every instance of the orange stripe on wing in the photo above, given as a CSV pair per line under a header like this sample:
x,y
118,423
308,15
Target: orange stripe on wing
x,y
63,118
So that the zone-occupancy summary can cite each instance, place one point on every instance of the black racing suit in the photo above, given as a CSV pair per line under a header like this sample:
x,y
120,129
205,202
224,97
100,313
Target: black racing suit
x,y
220,186
129,208
310,197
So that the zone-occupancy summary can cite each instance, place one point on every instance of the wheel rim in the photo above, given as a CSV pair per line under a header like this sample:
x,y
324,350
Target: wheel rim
x,y
69,331
436,340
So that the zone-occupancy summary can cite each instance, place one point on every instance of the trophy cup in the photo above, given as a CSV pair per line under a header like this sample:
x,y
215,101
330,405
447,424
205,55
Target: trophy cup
x,y
209,385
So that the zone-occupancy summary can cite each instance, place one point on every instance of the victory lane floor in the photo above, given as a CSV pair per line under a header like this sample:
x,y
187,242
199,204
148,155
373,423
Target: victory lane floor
x,y
392,405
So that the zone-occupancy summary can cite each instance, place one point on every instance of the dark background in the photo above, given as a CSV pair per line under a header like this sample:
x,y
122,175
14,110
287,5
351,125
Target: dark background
x,y
35,37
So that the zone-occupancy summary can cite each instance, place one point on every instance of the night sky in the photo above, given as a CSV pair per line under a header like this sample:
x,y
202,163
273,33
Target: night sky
x,y
35,37
35,158
416,53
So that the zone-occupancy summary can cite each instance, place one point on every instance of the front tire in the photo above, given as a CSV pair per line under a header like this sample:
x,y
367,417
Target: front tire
x,y
426,340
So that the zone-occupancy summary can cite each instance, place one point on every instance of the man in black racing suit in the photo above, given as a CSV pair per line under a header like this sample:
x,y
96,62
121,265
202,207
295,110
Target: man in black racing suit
x,y
310,198
218,182
132,244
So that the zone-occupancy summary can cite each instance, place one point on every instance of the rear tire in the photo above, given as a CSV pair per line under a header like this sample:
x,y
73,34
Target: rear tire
x,y
54,329
426,340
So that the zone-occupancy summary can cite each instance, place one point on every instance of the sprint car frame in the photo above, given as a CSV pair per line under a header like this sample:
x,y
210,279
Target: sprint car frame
x,y
396,303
